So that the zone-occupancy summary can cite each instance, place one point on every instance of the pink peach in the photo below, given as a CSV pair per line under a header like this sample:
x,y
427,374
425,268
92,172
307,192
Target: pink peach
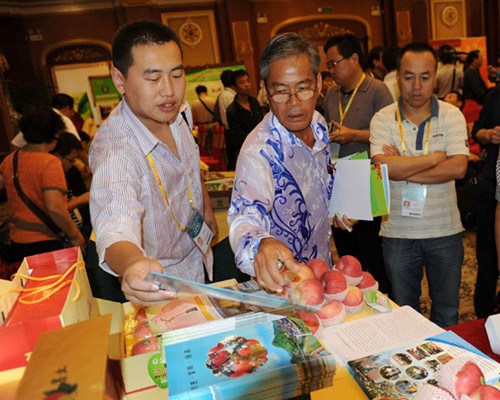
x,y
353,301
332,313
335,285
368,282
318,267
351,268
309,291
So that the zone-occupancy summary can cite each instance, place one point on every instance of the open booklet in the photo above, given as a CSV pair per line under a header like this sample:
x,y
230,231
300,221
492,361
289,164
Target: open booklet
x,y
360,190
403,371
359,338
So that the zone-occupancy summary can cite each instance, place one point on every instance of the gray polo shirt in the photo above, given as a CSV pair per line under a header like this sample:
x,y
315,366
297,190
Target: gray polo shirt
x,y
372,96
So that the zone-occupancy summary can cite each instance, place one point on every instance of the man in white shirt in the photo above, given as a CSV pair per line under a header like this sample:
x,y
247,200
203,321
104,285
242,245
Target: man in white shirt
x,y
423,141
146,192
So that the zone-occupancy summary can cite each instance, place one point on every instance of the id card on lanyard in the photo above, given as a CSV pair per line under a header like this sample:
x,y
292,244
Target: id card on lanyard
x,y
198,229
413,195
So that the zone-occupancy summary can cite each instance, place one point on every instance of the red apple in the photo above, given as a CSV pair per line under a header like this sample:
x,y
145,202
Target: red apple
x,y
460,376
485,392
353,301
140,315
431,392
335,285
143,330
145,346
318,267
309,291
332,313
310,319
294,278
351,268
368,282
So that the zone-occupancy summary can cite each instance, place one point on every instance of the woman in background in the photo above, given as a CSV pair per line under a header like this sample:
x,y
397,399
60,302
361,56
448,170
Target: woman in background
x,y
41,178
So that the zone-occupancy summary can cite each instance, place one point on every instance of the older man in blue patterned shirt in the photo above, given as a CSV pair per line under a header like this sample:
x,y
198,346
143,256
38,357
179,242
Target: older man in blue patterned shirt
x,y
279,208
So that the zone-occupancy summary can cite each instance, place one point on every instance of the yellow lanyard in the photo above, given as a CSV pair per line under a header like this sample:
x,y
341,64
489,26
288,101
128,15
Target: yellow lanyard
x,y
402,138
164,192
343,113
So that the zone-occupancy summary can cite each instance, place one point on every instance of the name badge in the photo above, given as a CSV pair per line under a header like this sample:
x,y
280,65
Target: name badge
x,y
413,197
200,232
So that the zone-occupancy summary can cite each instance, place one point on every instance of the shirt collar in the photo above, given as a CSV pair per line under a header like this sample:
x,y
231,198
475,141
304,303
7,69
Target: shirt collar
x,y
147,141
434,108
318,126
362,88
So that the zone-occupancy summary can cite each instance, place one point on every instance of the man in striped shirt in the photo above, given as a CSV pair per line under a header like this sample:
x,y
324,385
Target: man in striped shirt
x,y
146,189
424,143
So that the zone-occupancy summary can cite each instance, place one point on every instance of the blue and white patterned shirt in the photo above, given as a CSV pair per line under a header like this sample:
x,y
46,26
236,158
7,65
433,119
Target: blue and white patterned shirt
x,y
282,189
126,203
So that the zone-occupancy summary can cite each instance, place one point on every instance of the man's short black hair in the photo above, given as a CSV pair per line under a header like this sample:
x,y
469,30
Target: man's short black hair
x,y
347,45
227,78
416,48
62,100
390,57
139,33
66,143
375,54
239,73
446,54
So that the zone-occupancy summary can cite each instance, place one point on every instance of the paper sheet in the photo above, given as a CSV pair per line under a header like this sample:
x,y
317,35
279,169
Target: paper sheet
x,y
360,338
351,190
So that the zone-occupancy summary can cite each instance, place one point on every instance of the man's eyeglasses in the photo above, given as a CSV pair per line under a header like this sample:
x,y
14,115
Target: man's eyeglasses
x,y
332,64
284,97
70,160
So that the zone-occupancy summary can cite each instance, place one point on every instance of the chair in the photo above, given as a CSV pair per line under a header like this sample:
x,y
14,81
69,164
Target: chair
x,y
215,159
471,110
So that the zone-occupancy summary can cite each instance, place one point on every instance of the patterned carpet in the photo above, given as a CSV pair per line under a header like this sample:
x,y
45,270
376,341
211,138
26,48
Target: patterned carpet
x,y
467,287
469,272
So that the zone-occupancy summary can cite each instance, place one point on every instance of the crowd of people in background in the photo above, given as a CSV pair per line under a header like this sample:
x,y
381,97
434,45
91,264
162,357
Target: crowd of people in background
x,y
419,111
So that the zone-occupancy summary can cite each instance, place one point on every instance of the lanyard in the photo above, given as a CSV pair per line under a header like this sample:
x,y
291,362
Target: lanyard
x,y
402,138
343,113
164,192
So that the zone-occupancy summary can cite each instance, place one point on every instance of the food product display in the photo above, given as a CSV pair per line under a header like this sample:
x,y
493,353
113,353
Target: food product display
x,y
354,300
339,291
368,282
350,267
318,267
332,313
138,337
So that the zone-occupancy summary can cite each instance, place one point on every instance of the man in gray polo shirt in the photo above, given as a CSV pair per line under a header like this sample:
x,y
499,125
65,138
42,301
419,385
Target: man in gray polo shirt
x,y
349,106
423,141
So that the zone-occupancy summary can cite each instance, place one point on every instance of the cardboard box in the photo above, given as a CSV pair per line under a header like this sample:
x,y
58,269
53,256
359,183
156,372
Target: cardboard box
x,y
71,362
220,199
144,375
141,372
71,303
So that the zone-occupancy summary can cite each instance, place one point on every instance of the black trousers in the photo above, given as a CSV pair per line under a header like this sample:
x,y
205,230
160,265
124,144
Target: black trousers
x,y
487,272
365,244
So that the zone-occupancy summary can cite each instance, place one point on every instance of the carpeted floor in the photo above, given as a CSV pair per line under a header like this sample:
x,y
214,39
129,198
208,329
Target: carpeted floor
x,y
467,287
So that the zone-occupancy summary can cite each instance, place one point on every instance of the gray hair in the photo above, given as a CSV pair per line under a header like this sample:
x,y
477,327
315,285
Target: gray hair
x,y
286,45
